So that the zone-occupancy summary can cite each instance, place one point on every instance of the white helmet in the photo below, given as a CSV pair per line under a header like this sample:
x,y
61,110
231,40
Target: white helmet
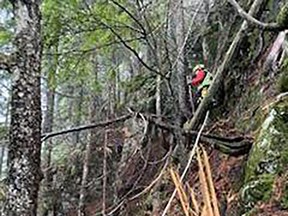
x,y
197,67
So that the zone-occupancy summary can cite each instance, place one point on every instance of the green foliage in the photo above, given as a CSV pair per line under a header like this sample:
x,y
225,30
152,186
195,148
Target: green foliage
x,y
6,28
5,37
282,18
60,154
111,74
136,83
79,32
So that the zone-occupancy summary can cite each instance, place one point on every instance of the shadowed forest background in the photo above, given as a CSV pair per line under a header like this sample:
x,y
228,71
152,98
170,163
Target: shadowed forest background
x,y
97,118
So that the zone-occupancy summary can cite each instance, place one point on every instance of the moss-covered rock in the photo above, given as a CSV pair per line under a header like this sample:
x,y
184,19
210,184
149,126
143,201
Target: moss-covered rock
x,y
268,157
282,18
256,190
282,81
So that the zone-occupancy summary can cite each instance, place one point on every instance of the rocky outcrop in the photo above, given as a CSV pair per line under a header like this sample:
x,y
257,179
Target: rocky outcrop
x,y
266,168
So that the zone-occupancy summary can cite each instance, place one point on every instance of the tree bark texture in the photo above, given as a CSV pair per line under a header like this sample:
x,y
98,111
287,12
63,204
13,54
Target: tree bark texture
x,y
47,128
183,97
3,148
104,188
24,173
86,163
78,104
92,137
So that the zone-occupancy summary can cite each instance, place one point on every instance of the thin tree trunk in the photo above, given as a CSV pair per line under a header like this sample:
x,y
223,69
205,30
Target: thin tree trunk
x,y
3,146
79,105
49,146
205,46
181,76
70,105
86,164
47,128
158,95
118,88
2,149
24,173
104,173
90,143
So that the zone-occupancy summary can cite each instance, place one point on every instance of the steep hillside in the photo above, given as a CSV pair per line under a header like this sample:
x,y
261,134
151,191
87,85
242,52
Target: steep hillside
x,y
255,107
133,108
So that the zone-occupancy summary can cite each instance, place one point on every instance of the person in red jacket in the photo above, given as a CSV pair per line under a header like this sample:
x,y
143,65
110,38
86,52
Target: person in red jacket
x,y
200,83
198,75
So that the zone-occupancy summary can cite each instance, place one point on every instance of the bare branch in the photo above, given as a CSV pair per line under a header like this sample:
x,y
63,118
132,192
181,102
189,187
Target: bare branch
x,y
80,52
133,51
131,15
86,127
238,145
126,199
252,20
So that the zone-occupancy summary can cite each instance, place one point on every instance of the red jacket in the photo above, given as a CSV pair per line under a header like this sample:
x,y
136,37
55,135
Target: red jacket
x,y
200,75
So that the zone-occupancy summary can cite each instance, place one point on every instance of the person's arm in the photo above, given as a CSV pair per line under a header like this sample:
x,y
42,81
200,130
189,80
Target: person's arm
x,y
200,75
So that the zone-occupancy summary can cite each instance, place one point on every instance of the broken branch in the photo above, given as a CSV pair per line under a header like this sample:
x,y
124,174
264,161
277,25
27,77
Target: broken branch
x,y
86,127
192,153
252,20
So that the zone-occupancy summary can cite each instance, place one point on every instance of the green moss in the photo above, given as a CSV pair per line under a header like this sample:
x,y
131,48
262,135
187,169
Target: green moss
x,y
284,199
282,18
256,190
270,151
256,116
268,157
282,81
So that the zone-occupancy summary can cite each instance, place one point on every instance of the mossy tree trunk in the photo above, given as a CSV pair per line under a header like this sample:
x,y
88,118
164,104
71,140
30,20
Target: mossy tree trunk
x,y
24,173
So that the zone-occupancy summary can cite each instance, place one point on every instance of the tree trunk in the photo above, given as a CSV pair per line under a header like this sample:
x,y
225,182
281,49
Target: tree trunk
x,y
205,47
24,172
104,174
181,77
78,104
158,95
86,164
2,149
91,141
47,128
3,146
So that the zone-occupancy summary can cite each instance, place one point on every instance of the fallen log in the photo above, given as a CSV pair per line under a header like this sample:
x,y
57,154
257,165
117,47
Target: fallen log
x,y
235,146
238,145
